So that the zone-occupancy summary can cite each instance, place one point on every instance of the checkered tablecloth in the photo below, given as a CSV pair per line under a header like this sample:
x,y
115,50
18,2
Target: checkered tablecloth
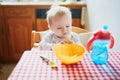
x,y
32,67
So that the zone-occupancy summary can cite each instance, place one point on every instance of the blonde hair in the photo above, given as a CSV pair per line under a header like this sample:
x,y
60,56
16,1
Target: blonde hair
x,y
57,11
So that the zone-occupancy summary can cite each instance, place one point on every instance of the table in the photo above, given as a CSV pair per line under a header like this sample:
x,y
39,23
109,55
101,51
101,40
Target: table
x,y
32,67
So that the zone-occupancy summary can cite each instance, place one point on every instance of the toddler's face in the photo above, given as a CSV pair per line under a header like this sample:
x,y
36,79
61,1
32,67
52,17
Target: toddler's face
x,y
61,26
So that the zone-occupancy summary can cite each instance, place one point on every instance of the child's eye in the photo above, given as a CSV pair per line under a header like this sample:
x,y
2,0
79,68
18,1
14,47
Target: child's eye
x,y
59,28
67,26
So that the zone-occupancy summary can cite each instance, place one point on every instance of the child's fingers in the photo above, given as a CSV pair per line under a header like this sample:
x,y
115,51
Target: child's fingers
x,y
66,42
62,42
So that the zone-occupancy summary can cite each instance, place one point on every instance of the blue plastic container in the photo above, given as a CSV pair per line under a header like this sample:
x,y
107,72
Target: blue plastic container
x,y
99,53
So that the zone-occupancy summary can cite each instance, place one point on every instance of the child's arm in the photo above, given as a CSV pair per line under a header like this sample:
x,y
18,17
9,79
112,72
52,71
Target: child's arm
x,y
45,43
46,46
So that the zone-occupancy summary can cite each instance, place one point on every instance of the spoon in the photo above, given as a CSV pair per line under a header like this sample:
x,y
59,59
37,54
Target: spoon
x,y
51,63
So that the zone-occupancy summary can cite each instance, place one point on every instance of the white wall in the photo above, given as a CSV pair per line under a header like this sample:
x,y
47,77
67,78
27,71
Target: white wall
x,y
102,12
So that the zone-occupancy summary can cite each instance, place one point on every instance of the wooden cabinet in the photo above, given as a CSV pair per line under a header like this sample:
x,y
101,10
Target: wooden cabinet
x,y
3,39
1,33
41,23
19,23
18,36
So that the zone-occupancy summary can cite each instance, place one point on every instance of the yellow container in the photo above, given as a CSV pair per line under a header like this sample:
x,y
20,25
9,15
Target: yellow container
x,y
69,53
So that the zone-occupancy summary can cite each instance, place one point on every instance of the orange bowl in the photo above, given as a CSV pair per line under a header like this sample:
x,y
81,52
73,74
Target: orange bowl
x,y
69,53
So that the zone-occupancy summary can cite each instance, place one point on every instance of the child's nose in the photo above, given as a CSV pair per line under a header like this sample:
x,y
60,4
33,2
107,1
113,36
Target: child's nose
x,y
65,30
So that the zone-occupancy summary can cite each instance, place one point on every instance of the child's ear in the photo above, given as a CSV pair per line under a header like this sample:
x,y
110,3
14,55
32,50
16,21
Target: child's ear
x,y
49,27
